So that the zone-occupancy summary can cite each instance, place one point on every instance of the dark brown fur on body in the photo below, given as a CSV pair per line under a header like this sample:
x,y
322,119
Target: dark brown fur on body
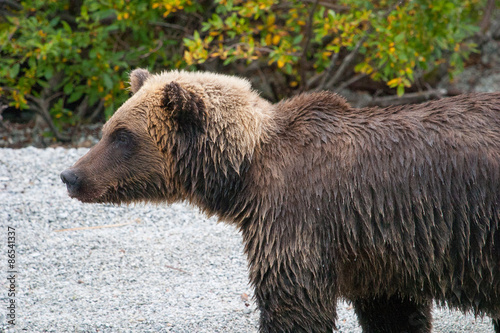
x,y
388,208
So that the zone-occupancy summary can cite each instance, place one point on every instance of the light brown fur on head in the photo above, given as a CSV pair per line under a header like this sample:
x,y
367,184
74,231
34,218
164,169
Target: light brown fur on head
x,y
236,116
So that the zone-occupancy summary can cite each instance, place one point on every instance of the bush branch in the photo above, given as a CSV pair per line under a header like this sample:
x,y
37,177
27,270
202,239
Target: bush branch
x,y
329,83
303,57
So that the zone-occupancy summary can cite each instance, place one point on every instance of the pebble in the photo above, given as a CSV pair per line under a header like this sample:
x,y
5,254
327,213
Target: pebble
x,y
171,270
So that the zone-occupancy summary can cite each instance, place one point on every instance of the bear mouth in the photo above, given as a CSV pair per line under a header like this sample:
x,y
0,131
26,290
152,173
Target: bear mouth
x,y
126,194
121,192
86,197
113,195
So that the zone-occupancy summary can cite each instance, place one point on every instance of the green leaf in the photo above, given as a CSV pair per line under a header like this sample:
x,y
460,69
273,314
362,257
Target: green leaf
x,y
93,98
108,82
76,95
54,21
84,13
48,72
66,27
399,38
108,112
68,88
14,70
297,39
401,90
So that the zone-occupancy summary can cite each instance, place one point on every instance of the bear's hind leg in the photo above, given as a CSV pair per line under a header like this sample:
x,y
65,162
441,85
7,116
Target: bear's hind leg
x,y
496,325
292,314
393,315
293,321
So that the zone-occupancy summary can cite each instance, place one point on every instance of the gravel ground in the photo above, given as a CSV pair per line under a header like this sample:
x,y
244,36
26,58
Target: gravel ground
x,y
139,268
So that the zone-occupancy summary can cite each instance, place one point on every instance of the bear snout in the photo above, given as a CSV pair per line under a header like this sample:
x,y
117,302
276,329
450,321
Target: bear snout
x,y
71,180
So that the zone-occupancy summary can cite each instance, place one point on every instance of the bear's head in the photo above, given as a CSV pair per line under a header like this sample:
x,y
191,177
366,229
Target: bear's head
x,y
178,136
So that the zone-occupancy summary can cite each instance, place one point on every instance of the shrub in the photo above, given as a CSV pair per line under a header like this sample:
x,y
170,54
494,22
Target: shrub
x,y
59,57
316,44
68,60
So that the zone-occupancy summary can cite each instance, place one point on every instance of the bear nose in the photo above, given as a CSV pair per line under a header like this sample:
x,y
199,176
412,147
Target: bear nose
x,y
69,178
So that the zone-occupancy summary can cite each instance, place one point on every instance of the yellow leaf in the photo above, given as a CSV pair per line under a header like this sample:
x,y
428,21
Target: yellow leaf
x,y
188,57
276,39
281,63
271,19
393,82
268,39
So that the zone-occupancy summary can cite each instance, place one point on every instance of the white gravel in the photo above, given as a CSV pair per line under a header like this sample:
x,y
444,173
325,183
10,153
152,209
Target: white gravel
x,y
169,269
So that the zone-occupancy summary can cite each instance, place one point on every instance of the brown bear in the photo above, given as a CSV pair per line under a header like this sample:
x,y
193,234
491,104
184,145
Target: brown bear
x,y
389,208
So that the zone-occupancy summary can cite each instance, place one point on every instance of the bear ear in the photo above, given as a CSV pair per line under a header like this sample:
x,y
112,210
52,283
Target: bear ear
x,y
137,78
185,107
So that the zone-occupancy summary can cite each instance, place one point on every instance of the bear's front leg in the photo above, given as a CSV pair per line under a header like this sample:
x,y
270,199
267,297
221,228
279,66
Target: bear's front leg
x,y
393,315
496,325
286,311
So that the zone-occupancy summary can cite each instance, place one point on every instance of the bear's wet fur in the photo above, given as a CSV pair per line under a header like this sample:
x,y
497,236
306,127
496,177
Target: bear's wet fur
x,y
389,208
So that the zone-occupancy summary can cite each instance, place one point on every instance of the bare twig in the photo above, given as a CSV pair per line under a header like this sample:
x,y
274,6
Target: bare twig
x,y
96,112
326,4
328,83
81,109
303,57
12,4
347,61
314,79
2,108
120,41
324,76
177,269
160,44
170,25
485,22
95,227
264,49
42,106
350,81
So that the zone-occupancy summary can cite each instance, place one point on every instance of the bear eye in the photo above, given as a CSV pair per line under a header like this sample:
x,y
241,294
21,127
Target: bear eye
x,y
123,138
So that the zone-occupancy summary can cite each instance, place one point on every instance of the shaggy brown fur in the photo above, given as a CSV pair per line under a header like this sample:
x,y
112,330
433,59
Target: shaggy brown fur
x,y
388,208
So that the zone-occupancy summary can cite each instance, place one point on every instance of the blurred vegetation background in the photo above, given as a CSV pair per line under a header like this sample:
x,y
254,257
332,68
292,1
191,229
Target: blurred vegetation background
x,y
65,63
